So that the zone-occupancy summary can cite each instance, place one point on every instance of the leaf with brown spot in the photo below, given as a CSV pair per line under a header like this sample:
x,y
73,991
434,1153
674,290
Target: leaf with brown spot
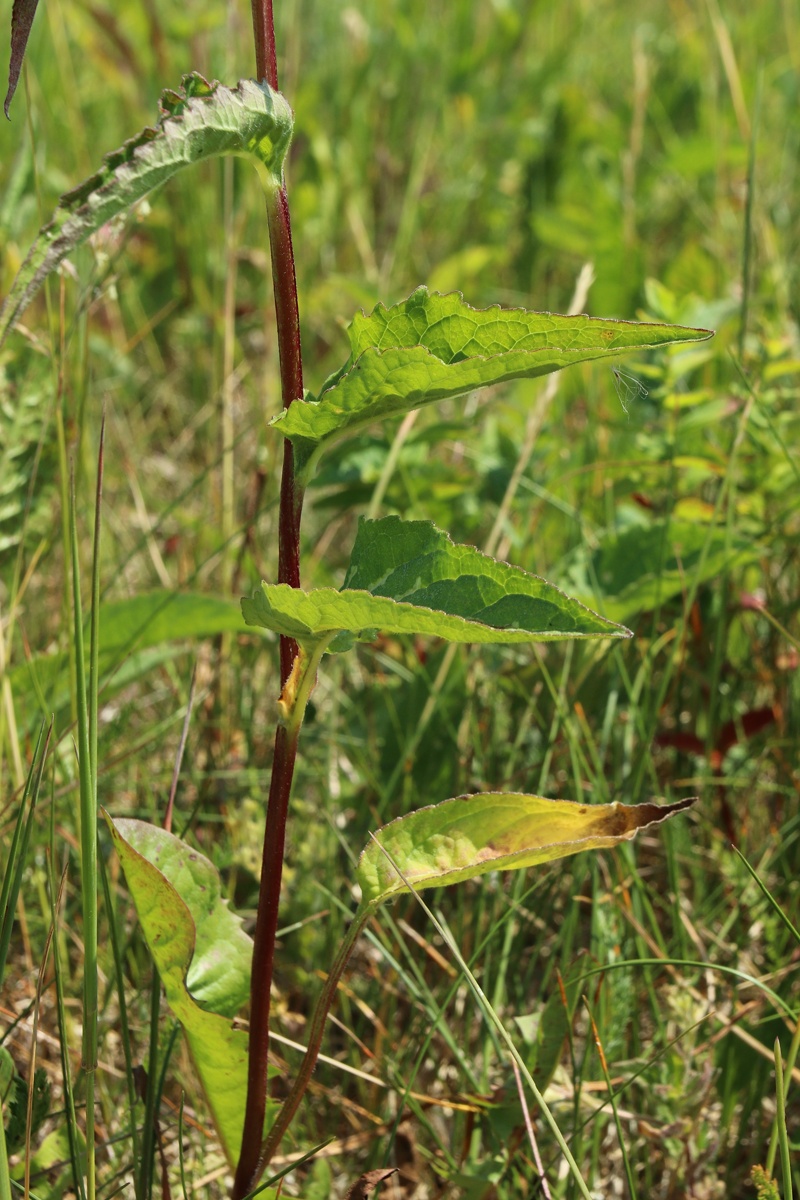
x,y
492,831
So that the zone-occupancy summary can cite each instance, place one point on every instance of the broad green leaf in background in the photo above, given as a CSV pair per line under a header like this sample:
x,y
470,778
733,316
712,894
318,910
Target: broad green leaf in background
x,y
431,347
202,955
492,831
201,120
551,1028
646,565
131,629
409,577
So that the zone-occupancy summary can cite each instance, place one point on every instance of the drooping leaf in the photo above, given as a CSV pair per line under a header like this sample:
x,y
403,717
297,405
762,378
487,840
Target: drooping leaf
x,y
202,955
22,15
431,347
471,835
409,577
201,120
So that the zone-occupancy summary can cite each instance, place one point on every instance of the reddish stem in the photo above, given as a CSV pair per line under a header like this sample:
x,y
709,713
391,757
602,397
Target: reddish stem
x,y
264,36
263,958
291,365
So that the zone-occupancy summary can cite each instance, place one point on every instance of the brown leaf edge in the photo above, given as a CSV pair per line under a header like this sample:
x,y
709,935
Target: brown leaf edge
x,y
22,16
368,1182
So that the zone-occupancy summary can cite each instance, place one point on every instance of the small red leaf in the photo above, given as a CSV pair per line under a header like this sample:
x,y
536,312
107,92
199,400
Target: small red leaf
x,y
748,723
683,740
22,16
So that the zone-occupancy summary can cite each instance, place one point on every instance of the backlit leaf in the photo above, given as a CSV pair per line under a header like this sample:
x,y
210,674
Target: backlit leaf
x,y
431,347
203,957
409,577
492,831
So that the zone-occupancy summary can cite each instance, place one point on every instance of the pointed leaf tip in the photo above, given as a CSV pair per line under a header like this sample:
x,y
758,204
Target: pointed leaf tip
x,y
431,347
22,16
408,577
493,831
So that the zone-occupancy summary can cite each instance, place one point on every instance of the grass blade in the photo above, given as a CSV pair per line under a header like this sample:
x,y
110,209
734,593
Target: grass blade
x,y
15,863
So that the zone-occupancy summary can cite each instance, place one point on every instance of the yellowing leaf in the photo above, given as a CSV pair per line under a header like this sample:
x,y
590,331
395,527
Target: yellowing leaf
x,y
492,831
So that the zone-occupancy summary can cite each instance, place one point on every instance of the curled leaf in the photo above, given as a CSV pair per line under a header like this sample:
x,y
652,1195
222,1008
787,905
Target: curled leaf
x,y
202,955
201,120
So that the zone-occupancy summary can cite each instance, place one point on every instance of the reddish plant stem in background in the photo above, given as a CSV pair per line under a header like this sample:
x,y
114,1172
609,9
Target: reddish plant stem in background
x,y
291,364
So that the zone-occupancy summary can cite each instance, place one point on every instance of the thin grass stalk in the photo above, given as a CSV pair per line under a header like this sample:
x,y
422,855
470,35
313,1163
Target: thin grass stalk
x,y
780,1117
537,1158
73,1137
94,633
5,1178
490,1015
747,244
181,1162
124,1028
88,843
791,1059
18,851
613,1102
32,1060
150,1097
159,1092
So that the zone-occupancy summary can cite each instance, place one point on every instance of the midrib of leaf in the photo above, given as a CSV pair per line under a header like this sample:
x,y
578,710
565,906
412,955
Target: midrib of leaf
x,y
434,347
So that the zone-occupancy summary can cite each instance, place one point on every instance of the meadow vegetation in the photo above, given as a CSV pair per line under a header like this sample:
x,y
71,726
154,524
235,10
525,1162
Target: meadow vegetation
x,y
497,147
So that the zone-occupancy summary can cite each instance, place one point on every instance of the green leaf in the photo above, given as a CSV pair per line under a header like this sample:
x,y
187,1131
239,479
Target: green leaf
x,y
202,955
129,629
431,347
647,565
201,120
555,1021
409,577
492,831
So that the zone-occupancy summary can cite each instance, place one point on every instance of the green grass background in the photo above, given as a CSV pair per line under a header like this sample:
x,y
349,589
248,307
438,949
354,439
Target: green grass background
x,y
495,147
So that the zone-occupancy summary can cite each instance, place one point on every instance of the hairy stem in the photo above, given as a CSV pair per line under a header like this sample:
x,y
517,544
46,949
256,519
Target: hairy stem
x,y
291,365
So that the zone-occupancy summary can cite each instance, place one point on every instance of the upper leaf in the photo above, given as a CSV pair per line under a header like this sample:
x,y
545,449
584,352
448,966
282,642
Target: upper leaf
x,y
199,121
409,577
431,347
470,835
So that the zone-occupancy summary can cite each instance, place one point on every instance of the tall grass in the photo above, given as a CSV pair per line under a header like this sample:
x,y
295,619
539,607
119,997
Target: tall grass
x,y
495,147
